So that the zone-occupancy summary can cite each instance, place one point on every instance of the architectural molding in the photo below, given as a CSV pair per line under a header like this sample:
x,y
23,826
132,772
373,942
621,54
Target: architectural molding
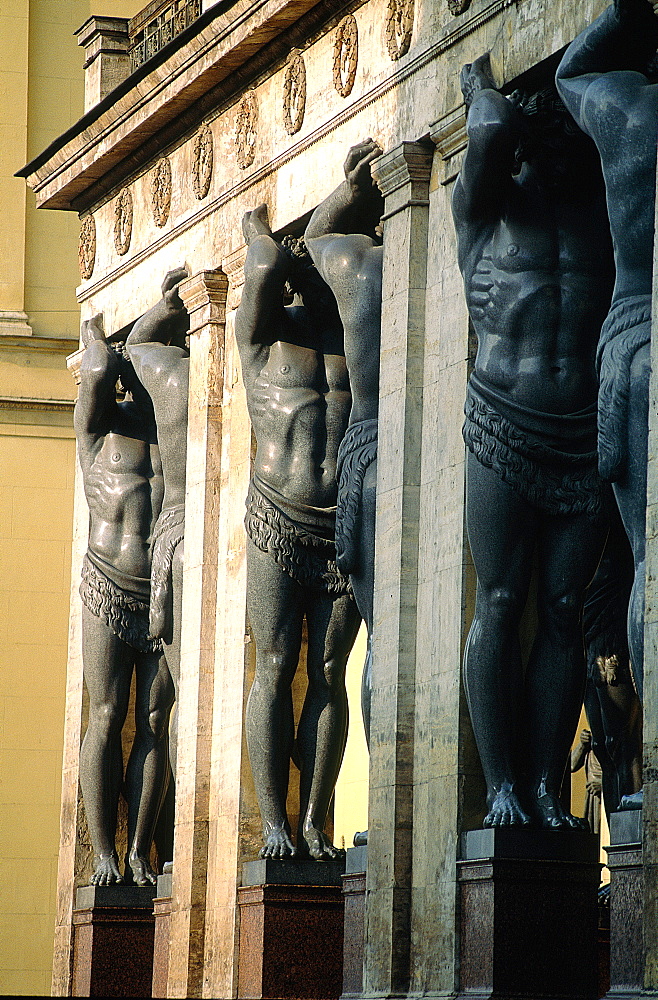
x,y
66,174
13,323
35,403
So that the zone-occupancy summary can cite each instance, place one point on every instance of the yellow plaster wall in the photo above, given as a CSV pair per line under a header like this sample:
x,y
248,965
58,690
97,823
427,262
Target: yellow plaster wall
x,y
36,507
351,803
41,94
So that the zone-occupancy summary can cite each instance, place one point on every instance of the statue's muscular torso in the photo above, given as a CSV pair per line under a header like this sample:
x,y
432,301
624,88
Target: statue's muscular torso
x,y
534,296
299,405
124,487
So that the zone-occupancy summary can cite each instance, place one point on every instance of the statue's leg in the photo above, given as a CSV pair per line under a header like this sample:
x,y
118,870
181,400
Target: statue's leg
x,y
569,550
274,604
172,644
631,495
148,766
322,732
108,664
501,532
363,582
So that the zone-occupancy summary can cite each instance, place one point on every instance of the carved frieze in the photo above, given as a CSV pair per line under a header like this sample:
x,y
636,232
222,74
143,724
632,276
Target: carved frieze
x,y
87,246
399,25
245,130
294,93
123,222
202,162
346,55
458,6
161,191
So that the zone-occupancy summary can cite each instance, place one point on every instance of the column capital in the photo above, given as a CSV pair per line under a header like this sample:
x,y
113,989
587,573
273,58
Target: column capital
x,y
233,267
204,297
407,165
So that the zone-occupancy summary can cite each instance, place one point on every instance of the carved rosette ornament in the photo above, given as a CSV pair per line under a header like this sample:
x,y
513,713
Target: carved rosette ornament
x,y
161,191
245,130
458,6
202,162
123,222
346,55
399,25
294,93
87,246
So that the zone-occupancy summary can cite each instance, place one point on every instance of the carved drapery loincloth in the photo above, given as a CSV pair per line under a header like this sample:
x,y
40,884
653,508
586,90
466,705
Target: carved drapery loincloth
x,y
123,608
169,531
626,329
357,451
549,459
299,538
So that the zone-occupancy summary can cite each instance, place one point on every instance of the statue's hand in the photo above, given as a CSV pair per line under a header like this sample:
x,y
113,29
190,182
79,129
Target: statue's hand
x,y
357,165
476,76
170,288
92,329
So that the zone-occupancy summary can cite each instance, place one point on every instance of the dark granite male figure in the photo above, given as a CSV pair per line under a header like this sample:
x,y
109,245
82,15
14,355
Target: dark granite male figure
x,y
156,346
534,250
343,240
123,483
293,367
607,84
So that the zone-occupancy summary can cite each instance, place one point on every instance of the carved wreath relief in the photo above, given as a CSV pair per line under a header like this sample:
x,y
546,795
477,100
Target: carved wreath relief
x,y
346,55
458,6
87,246
202,161
123,222
245,131
399,25
161,191
294,93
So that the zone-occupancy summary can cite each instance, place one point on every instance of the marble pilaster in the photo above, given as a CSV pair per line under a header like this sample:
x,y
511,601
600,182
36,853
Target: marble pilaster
x,y
204,296
650,706
234,834
403,176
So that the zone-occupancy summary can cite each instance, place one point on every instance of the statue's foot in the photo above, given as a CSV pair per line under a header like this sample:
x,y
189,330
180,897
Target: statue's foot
x,y
633,801
107,871
278,845
360,839
506,810
255,223
315,844
550,814
142,873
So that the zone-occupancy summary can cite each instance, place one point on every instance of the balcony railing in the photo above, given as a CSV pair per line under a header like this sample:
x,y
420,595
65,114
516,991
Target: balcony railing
x,y
157,24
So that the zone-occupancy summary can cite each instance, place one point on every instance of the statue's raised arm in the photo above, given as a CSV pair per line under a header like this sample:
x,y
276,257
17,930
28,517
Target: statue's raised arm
x,y
623,38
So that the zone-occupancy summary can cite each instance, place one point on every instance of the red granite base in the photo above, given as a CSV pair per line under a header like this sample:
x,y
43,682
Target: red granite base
x,y
291,942
112,951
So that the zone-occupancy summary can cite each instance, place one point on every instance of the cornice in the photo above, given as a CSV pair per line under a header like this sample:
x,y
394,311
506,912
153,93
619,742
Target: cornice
x,y
36,403
40,345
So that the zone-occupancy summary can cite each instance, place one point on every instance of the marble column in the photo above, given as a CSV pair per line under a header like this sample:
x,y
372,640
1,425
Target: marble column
x,y
403,176
204,296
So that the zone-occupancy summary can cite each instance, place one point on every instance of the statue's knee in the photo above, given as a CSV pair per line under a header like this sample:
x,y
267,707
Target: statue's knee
x,y
158,721
275,671
563,613
106,718
501,604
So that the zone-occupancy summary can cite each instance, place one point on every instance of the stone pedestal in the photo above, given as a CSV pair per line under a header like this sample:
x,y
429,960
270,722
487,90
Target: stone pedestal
x,y
291,930
162,917
354,897
626,902
528,903
113,941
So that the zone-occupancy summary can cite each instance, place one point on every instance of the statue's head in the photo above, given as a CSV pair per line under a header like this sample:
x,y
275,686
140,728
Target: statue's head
x,y
128,384
304,278
551,133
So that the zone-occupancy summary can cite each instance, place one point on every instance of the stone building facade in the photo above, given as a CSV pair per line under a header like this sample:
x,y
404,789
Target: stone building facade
x,y
253,103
